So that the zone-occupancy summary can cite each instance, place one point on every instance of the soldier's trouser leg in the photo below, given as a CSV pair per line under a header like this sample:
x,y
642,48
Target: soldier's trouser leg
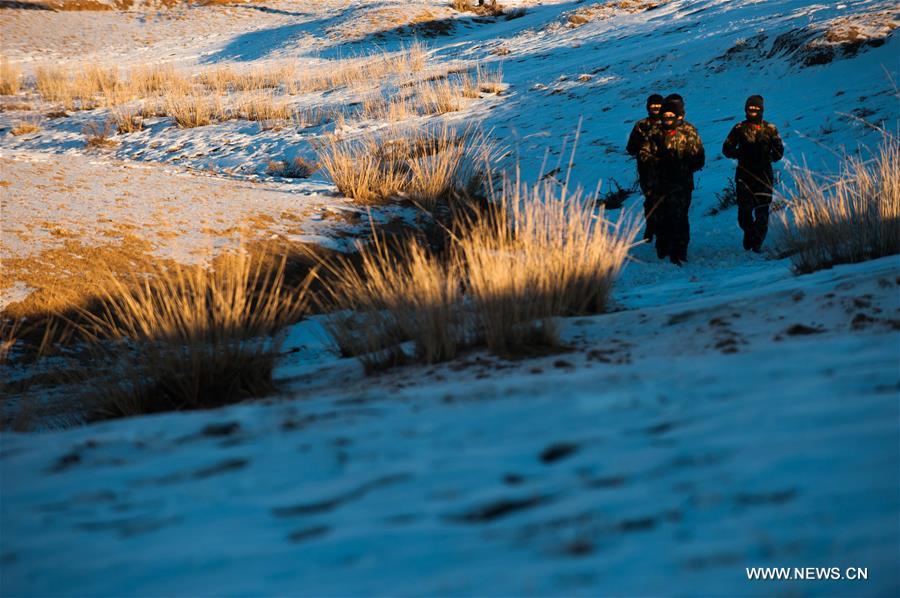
x,y
745,202
680,224
761,215
651,213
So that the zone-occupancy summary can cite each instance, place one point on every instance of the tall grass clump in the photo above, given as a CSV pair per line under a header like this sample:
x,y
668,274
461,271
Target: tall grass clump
x,y
398,292
538,252
852,218
193,109
10,78
180,337
427,165
535,253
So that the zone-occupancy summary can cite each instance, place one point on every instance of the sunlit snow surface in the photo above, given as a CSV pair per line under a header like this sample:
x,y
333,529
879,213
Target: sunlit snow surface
x,y
729,415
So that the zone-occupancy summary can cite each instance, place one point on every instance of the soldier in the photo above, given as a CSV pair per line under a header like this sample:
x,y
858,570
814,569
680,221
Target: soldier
x,y
639,135
674,152
755,144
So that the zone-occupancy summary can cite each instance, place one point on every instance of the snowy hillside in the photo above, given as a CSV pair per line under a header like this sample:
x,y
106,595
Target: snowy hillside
x,y
727,414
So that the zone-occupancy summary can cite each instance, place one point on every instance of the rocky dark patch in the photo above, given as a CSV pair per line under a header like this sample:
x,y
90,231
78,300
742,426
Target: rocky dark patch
x,y
660,428
499,509
220,430
579,547
330,504
861,321
513,479
308,533
638,524
220,468
802,330
558,452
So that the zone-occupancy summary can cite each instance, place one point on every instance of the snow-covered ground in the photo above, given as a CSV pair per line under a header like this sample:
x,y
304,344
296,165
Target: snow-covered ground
x,y
730,414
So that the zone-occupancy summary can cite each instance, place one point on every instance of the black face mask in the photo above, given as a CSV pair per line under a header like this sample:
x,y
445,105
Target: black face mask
x,y
653,111
754,117
669,123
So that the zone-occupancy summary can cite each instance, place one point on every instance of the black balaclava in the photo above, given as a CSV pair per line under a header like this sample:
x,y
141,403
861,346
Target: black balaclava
x,y
754,117
675,107
678,104
654,100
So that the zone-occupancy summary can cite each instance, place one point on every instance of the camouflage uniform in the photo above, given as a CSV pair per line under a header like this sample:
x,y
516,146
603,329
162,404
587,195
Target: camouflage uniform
x,y
755,146
640,134
674,155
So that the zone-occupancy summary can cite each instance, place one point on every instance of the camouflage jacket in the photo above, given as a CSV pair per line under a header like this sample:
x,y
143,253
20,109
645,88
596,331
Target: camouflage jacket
x,y
755,147
674,156
639,135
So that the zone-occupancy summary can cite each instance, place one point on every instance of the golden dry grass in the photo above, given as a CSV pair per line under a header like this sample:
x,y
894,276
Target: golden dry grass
x,y
193,109
398,293
127,119
538,252
189,337
25,127
427,165
10,78
854,218
99,135
296,168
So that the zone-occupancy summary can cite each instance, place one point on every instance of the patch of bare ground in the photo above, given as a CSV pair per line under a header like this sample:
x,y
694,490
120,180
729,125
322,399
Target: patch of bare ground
x,y
843,37
397,19
605,10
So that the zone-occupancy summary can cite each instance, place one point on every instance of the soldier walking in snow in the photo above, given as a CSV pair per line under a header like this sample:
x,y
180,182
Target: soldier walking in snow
x,y
755,144
674,153
639,135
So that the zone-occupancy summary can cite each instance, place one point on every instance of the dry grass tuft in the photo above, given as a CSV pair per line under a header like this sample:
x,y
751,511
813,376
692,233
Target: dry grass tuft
x,y
127,119
536,253
540,251
10,78
189,337
297,168
193,109
265,108
851,219
427,165
25,127
397,294
488,8
98,135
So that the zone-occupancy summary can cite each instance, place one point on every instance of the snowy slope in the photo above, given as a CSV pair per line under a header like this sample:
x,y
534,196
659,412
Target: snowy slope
x,y
729,415
675,447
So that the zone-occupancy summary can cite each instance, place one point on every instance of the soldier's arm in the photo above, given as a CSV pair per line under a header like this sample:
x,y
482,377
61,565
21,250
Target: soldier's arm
x,y
635,140
776,147
731,147
647,151
698,153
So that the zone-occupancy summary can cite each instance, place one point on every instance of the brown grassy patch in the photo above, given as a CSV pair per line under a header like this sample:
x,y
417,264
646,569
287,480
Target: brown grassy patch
x,y
25,127
428,165
10,78
488,8
126,119
297,168
99,135
193,109
853,218
397,293
189,337
538,252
